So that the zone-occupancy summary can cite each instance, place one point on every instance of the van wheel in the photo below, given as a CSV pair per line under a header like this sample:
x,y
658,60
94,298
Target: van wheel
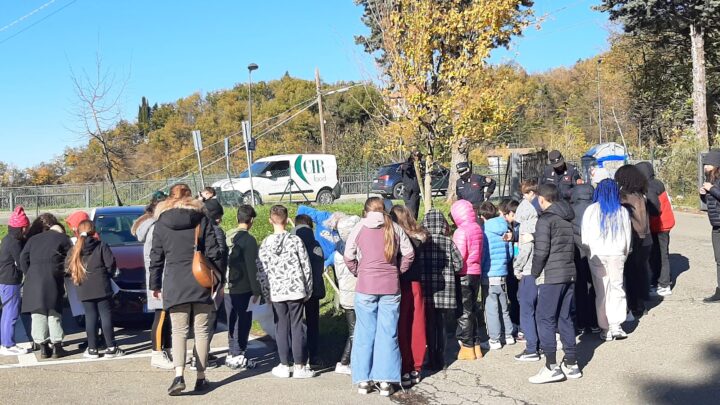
x,y
325,197
398,191
248,200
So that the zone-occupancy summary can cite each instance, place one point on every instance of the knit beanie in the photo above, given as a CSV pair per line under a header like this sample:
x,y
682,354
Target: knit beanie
x,y
74,219
712,158
18,219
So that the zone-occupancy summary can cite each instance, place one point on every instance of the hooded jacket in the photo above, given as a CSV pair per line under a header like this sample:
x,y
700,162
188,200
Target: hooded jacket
x,y
143,229
662,218
365,256
10,250
413,273
286,264
242,263
468,237
345,279
712,199
440,261
582,198
498,253
315,254
43,263
554,256
324,235
171,256
614,242
99,268
637,206
526,216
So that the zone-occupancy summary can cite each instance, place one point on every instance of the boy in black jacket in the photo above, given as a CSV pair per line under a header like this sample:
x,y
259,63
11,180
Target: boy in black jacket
x,y
554,268
304,230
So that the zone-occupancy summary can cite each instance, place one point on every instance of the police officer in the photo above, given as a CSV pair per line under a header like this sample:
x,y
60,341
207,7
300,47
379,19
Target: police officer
x,y
473,187
411,187
563,175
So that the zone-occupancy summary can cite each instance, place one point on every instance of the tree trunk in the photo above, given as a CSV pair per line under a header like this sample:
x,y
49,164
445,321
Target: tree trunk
x,y
700,122
111,179
460,149
427,197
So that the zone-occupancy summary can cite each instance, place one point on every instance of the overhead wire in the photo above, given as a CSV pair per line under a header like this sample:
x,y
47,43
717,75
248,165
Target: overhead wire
x,y
26,16
37,22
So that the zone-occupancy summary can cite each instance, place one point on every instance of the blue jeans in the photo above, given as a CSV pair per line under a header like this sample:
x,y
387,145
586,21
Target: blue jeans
x,y
239,321
376,353
10,297
553,312
496,307
527,297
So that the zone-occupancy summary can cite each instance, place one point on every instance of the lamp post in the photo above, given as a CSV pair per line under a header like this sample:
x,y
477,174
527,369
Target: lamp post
x,y
250,67
248,133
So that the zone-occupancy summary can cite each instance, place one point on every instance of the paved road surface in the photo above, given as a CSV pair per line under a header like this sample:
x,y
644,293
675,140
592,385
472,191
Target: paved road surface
x,y
671,357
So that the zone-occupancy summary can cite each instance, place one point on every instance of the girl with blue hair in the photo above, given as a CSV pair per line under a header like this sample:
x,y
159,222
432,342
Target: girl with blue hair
x,y
607,232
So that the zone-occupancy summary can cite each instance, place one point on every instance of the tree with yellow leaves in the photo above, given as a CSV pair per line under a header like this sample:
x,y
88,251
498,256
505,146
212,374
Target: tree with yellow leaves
x,y
434,58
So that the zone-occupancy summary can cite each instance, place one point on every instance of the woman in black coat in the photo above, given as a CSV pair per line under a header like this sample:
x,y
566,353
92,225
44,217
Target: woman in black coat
x,y
171,257
91,265
43,263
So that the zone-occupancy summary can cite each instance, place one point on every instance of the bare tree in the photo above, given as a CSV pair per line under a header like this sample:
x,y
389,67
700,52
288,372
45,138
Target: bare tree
x,y
97,110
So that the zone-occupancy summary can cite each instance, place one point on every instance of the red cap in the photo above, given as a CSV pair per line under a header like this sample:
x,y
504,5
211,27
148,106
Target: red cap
x,y
74,219
18,219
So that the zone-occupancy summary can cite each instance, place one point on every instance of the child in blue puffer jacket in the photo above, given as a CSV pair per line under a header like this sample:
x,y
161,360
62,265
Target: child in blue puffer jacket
x,y
495,271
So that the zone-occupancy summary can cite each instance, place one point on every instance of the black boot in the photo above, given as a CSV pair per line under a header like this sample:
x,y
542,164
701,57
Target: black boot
x,y
178,385
58,351
45,350
715,297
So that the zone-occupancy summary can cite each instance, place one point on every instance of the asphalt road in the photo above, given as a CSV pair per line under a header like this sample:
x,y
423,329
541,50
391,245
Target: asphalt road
x,y
671,357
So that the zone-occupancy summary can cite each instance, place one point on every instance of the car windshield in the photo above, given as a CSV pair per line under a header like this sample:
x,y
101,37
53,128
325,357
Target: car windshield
x,y
387,170
114,229
258,168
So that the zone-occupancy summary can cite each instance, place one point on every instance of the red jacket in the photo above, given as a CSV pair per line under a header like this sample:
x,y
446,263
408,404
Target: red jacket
x,y
662,218
666,220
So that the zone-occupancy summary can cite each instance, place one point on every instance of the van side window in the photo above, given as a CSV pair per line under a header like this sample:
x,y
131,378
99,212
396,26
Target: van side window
x,y
277,169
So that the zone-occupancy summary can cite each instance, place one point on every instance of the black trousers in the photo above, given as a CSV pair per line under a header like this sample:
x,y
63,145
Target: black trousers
x,y
585,312
716,251
637,275
553,313
660,259
412,201
161,332
312,321
239,322
94,309
436,339
472,317
289,328
350,316
512,285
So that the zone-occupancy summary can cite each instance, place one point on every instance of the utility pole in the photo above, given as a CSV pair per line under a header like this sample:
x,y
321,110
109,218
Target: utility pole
x,y
320,110
599,105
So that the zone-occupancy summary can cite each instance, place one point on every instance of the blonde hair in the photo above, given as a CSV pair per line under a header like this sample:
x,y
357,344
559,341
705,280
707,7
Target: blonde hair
x,y
375,204
76,267
180,190
403,217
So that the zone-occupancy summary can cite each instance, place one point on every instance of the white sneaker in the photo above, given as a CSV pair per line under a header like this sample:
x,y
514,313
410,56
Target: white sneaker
x,y
231,361
572,372
386,389
664,291
619,334
364,387
343,369
161,360
415,377
303,372
545,375
495,345
281,371
13,351
606,335
509,340
91,354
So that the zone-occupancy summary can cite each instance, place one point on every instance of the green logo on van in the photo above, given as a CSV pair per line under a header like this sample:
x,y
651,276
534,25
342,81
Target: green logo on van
x,y
305,167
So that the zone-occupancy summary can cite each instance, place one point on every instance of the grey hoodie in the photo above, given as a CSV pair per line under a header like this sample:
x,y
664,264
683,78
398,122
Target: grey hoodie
x,y
527,217
286,264
143,231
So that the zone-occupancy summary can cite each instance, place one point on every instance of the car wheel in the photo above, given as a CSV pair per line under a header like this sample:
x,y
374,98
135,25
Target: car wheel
x,y
398,191
324,197
248,200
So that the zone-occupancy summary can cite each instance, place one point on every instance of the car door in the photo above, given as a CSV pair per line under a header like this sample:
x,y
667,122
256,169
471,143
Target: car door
x,y
277,179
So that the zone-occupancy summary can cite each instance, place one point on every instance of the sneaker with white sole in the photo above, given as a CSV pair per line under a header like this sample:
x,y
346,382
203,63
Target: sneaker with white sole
x,y
619,334
343,369
405,381
114,351
160,359
386,389
495,345
13,351
571,371
415,377
525,356
545,375
664,291
91,354
509,340
365,387
281,371
606,335
300,371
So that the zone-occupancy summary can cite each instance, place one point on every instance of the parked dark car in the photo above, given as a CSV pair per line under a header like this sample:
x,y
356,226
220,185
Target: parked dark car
x,y
113,225
388,181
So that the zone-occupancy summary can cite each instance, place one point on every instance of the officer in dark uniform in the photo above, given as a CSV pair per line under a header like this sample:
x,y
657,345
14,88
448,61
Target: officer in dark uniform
x,y
411,188
473,187
563,175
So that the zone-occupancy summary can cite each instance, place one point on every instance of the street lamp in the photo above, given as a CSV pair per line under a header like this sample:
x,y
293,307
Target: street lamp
x,y
251,67
248,135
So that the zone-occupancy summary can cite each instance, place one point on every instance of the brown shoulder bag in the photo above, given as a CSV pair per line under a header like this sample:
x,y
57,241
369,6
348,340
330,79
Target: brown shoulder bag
x,y
203,270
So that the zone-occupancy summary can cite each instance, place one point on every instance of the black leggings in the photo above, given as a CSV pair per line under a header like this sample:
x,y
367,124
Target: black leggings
x,y
350,316
94,308
289,336
161,333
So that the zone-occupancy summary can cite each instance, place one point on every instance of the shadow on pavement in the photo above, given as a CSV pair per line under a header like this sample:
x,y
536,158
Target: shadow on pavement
x,y
678,265
669,392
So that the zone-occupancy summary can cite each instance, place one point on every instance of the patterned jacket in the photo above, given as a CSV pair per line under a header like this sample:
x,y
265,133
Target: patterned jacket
x,y
440,262
286,267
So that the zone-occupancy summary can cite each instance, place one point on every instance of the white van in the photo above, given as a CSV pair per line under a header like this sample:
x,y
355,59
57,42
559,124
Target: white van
x,y
286,178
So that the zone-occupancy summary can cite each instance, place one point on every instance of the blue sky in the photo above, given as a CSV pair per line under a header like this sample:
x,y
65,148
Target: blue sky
x,y
167,49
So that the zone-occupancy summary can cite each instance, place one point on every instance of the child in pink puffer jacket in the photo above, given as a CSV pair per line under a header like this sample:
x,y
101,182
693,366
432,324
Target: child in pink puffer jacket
x,y
469,240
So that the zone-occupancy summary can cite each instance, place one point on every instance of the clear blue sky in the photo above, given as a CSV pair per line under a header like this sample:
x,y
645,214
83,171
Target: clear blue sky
x,y
169,49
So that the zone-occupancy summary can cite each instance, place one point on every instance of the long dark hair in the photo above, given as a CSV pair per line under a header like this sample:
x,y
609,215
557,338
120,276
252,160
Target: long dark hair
x,y
631,180
402,216
41,224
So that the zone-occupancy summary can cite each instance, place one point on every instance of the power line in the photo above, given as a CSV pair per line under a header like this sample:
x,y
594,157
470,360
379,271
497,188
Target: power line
x,y
21,19
36,22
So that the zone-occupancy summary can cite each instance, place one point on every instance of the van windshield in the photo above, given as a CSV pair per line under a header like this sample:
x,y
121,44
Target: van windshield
x,y
279,168
258,168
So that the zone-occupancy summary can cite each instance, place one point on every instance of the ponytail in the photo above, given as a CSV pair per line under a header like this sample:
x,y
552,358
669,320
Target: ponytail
x,y
376,204
76,267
